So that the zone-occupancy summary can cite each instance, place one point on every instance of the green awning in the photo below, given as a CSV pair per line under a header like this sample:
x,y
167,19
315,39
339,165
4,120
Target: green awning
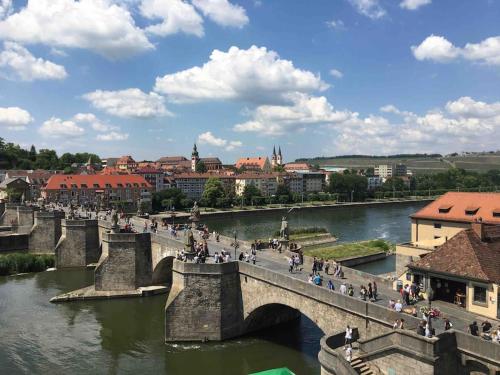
x,y
276,371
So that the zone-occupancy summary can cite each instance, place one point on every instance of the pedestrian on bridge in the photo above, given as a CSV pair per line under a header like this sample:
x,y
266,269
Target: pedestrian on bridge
x,y
291,263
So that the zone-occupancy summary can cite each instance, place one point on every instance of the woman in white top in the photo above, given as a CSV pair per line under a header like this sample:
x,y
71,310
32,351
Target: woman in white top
x,y
348,335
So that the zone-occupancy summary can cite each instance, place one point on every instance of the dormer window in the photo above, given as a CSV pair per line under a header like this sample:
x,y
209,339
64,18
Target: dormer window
x,y
445,209
108,186
74,186
128,185
63,186
84,186
96,185
496,212
471,210
120,185
136,184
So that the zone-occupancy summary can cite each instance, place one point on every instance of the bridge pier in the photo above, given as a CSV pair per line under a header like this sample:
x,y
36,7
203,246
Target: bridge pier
x,y
78,245
125,263
46,232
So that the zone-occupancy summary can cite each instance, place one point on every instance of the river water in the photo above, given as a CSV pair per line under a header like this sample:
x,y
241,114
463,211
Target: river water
x,y
126,336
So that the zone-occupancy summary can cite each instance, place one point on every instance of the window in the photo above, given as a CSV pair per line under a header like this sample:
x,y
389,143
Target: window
x,y
73,186
120,185
96,185
108,186
479,294
84,186
471,210
128,185
136,184
437,225
437,237
63,186
445,209
496,212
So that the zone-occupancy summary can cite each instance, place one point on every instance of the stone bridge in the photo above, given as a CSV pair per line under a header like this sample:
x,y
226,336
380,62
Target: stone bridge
x,y
222,301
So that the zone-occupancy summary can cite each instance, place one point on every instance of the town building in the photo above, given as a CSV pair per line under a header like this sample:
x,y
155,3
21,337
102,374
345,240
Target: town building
x,y
294,182
297,167
173,163
15,189
390,170
464,271
35,178
258,164
267,183
126,163
276,158
109,162
374,182
193,184
312,182
154,176
125,191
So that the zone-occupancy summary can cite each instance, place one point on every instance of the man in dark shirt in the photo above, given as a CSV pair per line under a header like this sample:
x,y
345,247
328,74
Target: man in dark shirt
x,y
486,326
474,329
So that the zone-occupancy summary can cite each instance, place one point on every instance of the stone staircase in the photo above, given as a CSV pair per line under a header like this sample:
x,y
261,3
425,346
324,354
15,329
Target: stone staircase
x,y
363,368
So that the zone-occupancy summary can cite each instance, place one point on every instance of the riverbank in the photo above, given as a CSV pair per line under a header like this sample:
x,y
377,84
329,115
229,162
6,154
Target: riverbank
x,y
248,210
15,263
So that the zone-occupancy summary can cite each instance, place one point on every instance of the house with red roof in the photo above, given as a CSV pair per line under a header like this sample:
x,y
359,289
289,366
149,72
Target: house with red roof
x,y
123,190
259,163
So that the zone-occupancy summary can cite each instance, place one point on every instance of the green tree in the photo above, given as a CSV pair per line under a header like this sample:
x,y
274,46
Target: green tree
x,y
213,192
250,192
47,159
349,186
168,198
32,154
394,184
201,167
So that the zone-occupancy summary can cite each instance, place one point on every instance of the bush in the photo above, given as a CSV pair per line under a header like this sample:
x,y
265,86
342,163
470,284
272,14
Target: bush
x,y
21,263
309,230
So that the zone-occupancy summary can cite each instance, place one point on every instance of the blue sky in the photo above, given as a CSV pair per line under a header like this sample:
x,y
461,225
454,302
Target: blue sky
x,y
321,77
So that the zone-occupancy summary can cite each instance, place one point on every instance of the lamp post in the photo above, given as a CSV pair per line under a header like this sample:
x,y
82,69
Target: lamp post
x,y
430,296
235,243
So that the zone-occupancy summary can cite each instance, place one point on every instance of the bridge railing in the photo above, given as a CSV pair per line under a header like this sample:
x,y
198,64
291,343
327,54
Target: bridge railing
x,y
353,305
332,358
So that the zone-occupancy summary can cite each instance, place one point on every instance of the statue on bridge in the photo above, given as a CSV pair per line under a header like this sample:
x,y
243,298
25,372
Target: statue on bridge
x,y
114,221
284,232
195,213
188,241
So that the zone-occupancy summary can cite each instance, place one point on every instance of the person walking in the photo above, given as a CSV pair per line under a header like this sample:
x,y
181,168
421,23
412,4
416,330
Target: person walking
x,y
348,335
327,267
343,288
447,324
375,291
331,287
291,264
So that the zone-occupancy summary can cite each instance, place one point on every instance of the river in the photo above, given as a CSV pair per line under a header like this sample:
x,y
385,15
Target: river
x,y
126,336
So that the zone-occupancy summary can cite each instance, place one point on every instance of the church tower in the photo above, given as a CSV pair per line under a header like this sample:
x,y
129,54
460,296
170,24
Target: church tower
x,y
279,158
273,157
195,158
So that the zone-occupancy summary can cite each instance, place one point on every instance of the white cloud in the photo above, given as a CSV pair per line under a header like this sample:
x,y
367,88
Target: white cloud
x,y
14,118
5,8
336,24
209,139
97,25
94,122
223,12
336,73
112,136
435,48
57,128
176,16
16,62
438,48
255,75
413,4
461,124
369,8
305,111
487,51
128,103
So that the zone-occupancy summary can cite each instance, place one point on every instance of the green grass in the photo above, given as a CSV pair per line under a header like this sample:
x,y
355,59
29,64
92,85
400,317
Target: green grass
x,y
349,249
20,263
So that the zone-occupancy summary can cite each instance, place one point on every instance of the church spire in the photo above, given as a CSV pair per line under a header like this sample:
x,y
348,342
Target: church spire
x,y
279,151
274,150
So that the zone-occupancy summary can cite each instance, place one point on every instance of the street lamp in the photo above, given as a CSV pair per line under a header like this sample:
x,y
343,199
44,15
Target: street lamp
x,y
235,243
352,196
430,296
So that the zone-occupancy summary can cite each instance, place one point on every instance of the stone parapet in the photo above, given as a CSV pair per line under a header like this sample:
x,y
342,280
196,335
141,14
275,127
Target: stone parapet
x,y
78,245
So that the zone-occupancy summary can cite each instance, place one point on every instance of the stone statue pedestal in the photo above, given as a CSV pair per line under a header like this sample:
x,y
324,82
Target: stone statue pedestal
x,y
284,244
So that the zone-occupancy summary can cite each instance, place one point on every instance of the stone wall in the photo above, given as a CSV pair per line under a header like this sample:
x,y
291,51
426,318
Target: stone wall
x,y
9,214
204,302
13,242
25,218
45,232
125,262
163,251
78,245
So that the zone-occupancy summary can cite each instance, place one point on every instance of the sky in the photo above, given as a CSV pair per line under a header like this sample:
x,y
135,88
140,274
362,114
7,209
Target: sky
x,y
319,78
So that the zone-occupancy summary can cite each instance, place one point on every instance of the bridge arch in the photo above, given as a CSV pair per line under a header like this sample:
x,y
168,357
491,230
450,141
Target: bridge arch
x,y
162,271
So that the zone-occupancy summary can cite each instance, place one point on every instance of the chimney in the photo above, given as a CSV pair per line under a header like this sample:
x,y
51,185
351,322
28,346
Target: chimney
x,y
478,228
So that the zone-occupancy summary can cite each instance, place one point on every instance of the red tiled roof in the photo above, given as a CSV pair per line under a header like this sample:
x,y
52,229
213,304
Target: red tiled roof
x,y
297,166
453,206
149,170
171,159
253,162
55,181
465,255
244,176
127,159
